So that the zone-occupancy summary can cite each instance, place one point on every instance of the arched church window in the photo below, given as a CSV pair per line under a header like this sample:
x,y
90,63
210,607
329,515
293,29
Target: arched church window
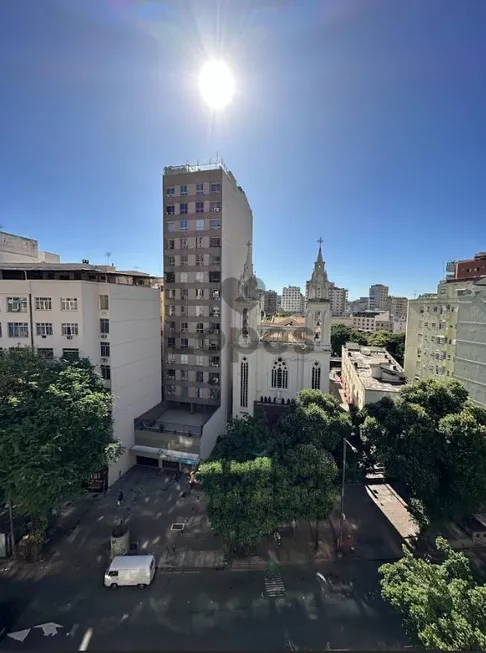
x,y
244,329
244,383
316,376
280,374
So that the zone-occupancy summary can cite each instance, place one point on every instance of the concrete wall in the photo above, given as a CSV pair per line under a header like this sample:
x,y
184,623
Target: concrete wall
x,y
470,359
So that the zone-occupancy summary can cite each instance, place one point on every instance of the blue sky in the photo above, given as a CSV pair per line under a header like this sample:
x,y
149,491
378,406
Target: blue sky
x,y
361,121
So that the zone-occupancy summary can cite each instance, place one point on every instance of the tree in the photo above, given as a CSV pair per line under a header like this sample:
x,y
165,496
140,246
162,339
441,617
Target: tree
x,y
341,334
245,438
394,343
55,429
440,604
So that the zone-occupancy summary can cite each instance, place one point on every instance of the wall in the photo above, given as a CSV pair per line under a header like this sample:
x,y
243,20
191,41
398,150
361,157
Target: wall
x,y
212,429
470,359
15,249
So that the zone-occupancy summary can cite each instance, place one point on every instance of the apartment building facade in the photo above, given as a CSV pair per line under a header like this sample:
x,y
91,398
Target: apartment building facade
x,y
398,307
80,310
292,300
339,300
270,303
473,268
378,297
207,234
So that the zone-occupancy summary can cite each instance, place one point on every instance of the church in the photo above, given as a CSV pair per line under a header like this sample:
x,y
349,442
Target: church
x,y
273,361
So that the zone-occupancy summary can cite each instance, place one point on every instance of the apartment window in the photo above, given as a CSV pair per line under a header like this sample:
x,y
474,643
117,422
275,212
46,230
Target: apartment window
x,y
70,354
199,207
215,294
18,330
185,391
199,277
199,259
199,189
171,358
104,325
280,375
214,393
43,303
199,327
184,260
199,311
104,303
184,343
183,209
183,277
105,372
184,326
171,390
183,243
216,223
199,377
172,310
215,207
214,361
171,326
172,293
171,343
170,277
183,225
215,260
199,360
199,393
171,375
170,244
215,188
244,383
16,304
69,304
105,349
183,374
199,242
170,261
43,329
183,189
70,329
184,359
170,209
46,352
214,277
199,225
171,191
215,242
199,293
171,226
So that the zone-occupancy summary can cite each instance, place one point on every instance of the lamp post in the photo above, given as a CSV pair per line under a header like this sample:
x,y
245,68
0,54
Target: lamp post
x,y
346,444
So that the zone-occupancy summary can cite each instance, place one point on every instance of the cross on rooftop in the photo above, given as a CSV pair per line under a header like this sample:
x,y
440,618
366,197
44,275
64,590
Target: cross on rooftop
x,y
320,241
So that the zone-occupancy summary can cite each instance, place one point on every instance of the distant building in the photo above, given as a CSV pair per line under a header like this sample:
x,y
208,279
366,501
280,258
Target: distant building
x,y
270,303
359,305
369,374
292,300
17,249
474,268
338,298
398,306
378,297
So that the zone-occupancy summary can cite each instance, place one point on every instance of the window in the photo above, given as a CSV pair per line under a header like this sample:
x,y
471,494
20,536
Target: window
x,y
171,191
70,354
215,188
215,207
18,330
171,390
105,349
199,277
183,243
184,343
16,304
200,311
199,377
183,225
47,353
185,391
43,303
215,294
215,242
215,260
184,259
216,224
199,327
199,293
70,328
183,209
171,226
105,372
199,225
183,374
171,358
184,326
199,393
43,329
172,310
280,375
244,330
214,361
214,277
69,304
104,303
170,277
199,189
172,293
184,293
184,359
199,259
199,207
244,383
171,344
104,325
199,242
170,209
183,277
199,360
171,375
183,189
316,376
170,244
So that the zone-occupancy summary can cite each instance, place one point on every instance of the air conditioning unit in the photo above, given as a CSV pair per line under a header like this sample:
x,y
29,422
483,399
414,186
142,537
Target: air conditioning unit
x,y
69,337
104,359
44,336
103,335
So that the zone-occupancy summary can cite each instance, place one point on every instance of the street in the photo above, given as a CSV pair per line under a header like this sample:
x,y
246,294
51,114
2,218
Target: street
x,y
335,606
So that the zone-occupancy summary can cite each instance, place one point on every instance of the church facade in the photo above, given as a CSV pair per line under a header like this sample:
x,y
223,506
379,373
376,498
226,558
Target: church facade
x,y
273,361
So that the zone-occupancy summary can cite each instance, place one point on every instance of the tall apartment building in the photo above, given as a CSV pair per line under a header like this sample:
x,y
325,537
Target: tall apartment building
x,y
398,307
292,300
207,231
378,297
270,302
446,335
339,299
359,305
74,310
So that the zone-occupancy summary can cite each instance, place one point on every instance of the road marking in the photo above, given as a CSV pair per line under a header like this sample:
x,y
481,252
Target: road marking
x,y
274,585
86,639
49,629
20,635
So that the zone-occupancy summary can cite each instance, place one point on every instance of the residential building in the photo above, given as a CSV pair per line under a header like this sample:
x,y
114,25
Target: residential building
x,y
270,303
368,374
70,310
274,360
207,231
346,320
292,300
359,305
474,268
398,307
338,298
378,297
17,249
371,321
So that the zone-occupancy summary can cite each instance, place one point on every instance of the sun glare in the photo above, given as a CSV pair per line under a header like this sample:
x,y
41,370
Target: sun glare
x,y
216,84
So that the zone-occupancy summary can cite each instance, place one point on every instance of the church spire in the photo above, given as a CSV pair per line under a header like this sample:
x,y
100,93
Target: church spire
x,y
319,284
248,282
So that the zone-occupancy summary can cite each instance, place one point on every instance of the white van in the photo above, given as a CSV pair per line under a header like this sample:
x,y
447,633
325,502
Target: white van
x,y
130,570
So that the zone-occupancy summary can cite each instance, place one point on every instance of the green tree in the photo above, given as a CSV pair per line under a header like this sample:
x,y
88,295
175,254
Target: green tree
x,y
341,334
394,343
440,604
245,438
55,429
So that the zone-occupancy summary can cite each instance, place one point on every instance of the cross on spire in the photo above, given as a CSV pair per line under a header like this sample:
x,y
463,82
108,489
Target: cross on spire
x,y
320,241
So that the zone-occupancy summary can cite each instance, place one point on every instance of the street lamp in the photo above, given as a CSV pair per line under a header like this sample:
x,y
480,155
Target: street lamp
x,y
346,443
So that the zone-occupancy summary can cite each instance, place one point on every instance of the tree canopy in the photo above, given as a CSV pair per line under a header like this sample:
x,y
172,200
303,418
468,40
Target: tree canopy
x,y
394,343
245,438
55,429
440,604
341,334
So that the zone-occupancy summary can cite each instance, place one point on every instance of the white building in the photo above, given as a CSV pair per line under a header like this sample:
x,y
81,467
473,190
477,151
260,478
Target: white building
x,y
81,310
368,374
17,249
273,362
378,297
398,307
339,299
292,300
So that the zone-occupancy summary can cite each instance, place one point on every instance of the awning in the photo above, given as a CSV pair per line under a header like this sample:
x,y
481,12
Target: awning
x,y
149,452
183,457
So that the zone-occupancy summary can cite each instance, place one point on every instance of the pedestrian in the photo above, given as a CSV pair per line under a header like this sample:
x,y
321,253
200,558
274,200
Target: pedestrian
x,y
120,499
173,548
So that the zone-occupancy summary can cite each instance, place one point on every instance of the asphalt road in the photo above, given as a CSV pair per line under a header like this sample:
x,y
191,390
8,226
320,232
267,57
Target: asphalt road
x,y
335,607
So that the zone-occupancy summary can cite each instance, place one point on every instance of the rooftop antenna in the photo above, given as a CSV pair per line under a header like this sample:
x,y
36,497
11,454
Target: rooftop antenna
x,y
108,257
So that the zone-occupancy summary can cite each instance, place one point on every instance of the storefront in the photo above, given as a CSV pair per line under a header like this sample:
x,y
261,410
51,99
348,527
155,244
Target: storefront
x,y
164,458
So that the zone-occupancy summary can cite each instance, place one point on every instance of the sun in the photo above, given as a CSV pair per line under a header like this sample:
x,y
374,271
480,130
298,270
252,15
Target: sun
x,y
216,84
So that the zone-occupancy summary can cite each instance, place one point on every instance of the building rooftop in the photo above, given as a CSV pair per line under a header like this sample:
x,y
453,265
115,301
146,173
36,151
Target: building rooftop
x,y
79,271
376,368
290,320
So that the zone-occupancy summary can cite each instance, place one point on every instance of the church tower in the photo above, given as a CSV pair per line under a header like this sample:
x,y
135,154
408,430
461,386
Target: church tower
x,y
247,305
318,312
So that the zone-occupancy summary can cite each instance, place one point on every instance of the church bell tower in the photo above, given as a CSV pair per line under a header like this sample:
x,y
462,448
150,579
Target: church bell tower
x,y
318,312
